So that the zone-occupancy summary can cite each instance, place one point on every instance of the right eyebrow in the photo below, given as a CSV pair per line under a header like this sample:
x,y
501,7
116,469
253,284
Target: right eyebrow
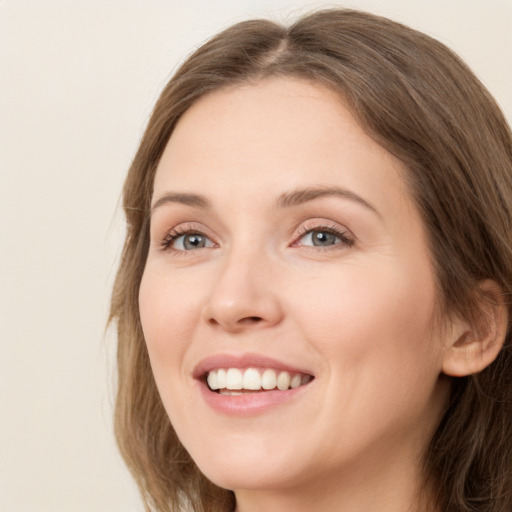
x,y
181,198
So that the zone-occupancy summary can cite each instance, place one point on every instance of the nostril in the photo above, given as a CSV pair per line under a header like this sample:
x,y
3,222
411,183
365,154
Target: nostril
x,y
250,320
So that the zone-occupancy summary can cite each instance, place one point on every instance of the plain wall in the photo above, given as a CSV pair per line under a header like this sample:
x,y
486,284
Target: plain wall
x,y
77,82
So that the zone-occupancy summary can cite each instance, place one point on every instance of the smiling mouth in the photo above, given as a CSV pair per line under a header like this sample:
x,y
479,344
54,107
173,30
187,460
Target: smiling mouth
x,y
236,381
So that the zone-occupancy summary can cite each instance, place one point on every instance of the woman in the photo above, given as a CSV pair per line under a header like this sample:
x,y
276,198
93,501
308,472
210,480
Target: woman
x,y
313,299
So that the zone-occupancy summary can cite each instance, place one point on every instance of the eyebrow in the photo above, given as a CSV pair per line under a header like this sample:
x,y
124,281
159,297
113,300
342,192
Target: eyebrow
x,y
286,200
301,196
181,198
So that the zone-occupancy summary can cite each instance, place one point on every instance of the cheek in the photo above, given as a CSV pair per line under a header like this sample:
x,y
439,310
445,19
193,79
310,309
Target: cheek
x,y
366,314
168,314
373,330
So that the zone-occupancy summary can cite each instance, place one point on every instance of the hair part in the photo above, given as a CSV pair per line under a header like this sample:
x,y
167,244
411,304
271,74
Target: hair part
x,y
420,102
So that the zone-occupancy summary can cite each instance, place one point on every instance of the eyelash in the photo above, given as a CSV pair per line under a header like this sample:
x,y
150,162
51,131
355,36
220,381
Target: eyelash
x,y
346,239
176,233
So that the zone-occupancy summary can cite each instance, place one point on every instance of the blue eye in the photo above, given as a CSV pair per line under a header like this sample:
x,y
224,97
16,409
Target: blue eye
x,y
322,237
186,241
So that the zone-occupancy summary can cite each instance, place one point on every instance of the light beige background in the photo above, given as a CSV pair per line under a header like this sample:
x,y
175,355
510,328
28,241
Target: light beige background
x,y
77,82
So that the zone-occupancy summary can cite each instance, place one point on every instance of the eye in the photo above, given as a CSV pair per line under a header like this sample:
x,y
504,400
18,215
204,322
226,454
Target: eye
x,y
320,239
191,241
186,240
324,237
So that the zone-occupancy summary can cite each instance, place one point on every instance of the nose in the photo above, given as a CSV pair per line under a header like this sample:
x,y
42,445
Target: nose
x,y
244,295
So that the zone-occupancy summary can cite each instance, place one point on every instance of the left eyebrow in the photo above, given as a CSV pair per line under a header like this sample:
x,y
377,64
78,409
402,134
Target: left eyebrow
x,y
301,196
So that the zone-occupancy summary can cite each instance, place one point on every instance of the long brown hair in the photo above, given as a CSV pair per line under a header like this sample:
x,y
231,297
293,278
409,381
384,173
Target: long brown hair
x,y
420,102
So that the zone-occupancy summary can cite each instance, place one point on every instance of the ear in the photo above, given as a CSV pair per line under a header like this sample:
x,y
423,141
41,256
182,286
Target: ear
x,y
475,344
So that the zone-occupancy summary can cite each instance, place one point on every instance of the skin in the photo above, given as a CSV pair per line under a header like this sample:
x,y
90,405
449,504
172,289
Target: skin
x,y
359,315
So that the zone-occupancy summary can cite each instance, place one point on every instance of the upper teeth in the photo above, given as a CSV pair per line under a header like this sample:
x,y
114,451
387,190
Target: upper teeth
x,y
252,379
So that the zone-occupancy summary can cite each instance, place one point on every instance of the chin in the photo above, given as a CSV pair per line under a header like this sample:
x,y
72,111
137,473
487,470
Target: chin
x,y
250,477
237,469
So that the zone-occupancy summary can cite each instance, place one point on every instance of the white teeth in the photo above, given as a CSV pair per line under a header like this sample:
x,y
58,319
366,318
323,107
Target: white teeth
x,y
283,381
252,379
221,379
268,379
212,380
296,381
234,379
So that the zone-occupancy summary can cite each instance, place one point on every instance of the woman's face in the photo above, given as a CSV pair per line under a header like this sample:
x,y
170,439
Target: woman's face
x,y
286,251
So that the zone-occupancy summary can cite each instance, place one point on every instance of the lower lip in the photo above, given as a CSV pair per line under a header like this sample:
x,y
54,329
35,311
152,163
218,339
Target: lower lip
x,y
249,403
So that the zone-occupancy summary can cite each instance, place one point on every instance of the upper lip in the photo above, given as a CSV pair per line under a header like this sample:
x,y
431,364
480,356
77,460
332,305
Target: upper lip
x,y
249,360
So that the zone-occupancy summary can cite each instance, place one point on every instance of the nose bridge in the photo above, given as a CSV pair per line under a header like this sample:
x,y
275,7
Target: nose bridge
x,y
243,294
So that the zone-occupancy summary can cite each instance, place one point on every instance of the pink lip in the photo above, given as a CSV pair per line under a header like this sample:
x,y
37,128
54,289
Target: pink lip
x,y
249,403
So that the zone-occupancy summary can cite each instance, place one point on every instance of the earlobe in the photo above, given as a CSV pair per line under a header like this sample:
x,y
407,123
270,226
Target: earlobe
x,y
476,344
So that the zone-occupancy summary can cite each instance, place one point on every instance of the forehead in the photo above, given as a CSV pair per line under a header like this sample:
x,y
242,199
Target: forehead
x,y
276,134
